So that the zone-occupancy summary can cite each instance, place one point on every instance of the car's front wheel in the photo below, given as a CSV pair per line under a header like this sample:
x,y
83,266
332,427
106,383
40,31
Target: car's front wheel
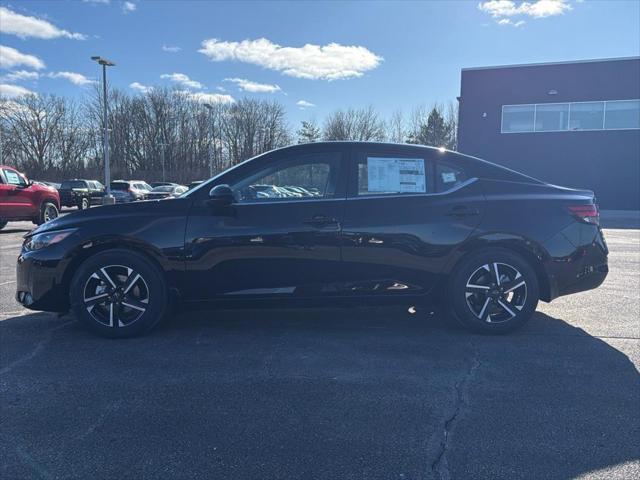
x,y
119,293
84,204
48,211
493,291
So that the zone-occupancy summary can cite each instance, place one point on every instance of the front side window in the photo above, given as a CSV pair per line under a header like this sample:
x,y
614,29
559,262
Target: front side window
x,y
308,177
586,116
622,114
389,175
13,178
518,118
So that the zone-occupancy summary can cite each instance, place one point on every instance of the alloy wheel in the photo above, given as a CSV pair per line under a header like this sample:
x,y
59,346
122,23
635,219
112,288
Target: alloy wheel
x,y
496,292
50,212
116,296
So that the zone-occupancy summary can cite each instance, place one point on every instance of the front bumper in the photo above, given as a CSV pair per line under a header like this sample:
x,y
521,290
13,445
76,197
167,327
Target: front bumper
x,y
39,281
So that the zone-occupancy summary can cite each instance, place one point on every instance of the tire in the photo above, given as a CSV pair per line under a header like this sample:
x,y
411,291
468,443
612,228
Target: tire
x,y
133,288
84,204
48,211
484,304
3,223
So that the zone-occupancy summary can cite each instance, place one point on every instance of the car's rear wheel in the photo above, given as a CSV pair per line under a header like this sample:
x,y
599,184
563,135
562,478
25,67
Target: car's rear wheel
x,y
48,211
119,293
84,204
493,291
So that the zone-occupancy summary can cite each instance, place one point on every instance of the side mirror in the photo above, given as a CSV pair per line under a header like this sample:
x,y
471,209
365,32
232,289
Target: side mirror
x,y
221,195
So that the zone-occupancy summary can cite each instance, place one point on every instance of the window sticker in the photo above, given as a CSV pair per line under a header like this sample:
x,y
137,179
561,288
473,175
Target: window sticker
x,y
12,177
396,175
448,177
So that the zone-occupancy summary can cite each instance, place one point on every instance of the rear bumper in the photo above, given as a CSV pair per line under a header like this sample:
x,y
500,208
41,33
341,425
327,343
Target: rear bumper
x,y
578,260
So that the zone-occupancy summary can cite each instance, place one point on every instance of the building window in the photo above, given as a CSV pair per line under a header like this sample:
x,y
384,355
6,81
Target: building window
x,y
587,116
552,117
575,116
518,118
622,114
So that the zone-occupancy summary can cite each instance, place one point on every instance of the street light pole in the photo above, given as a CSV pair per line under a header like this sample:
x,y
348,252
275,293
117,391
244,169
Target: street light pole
x,y
108,198
162,147
209,107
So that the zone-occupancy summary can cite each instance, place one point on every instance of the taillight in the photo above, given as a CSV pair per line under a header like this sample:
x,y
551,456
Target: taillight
x,y
586,213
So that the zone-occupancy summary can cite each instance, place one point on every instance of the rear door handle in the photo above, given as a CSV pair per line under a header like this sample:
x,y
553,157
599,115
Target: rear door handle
x,y
460,211
320,221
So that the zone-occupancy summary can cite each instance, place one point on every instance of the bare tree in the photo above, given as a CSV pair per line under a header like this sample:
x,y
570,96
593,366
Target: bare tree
x,y
396,128
354,124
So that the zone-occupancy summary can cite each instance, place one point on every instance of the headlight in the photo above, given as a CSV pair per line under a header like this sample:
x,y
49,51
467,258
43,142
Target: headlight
x,y
42,240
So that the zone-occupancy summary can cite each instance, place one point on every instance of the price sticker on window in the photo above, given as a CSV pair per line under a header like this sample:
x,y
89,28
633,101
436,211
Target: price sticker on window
x,y
396,175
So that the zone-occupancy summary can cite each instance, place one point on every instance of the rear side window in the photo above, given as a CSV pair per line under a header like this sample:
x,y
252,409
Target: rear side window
x,y
391,175
448,177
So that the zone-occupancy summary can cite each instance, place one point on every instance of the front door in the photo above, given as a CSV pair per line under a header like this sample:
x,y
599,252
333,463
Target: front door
x,y
405,215
15,195
280,236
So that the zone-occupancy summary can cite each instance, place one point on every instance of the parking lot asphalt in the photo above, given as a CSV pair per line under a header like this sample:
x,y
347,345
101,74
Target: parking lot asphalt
x,y
358,393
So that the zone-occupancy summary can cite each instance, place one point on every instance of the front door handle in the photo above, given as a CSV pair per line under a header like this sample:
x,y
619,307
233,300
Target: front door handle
x,y
320,221
460,211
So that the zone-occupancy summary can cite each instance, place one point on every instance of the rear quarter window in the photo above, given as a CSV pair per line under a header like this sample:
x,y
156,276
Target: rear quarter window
x,y
448,177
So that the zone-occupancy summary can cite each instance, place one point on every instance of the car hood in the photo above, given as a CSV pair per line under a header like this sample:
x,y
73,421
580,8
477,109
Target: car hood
x,y
174,206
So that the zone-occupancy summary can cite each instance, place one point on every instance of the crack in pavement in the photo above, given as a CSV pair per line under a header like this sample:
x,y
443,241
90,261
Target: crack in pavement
x,y
37,349
440,466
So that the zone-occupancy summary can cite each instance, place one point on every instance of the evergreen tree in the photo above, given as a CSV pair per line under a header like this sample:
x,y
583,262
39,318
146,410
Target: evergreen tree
x,y
309,132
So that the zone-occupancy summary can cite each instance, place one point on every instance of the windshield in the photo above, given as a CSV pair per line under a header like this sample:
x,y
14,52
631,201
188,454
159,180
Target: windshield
x,y
69,184
119,186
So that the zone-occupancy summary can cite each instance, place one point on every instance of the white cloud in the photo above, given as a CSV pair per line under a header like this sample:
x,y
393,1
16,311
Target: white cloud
x,y
220,88
255,87
23,26
128,7
13,91
326,62
75,78
208,97
10,58
20,76
304,104
501,10
508,21
140,87
104,2
171,48
183,80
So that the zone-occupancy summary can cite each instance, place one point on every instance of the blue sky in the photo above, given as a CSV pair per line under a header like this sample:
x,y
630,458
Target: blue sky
x,y
388,54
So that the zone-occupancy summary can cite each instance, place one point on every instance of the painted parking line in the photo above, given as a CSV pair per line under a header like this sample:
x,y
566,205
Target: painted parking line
x,y
7,283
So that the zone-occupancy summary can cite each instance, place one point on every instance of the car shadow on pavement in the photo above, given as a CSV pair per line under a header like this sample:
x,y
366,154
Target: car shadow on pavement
x,y
322,393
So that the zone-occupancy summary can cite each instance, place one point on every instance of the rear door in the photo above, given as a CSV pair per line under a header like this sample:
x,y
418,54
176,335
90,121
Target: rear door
x,y
281,236
406,211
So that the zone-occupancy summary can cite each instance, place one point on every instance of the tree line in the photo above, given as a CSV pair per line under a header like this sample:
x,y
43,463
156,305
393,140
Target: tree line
x,y
171,134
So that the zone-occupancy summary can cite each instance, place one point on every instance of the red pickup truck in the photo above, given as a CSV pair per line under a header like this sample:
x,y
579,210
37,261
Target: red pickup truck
x,y
21,199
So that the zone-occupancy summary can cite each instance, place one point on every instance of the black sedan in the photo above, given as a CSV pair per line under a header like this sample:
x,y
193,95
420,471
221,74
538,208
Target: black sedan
x,y
325,223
